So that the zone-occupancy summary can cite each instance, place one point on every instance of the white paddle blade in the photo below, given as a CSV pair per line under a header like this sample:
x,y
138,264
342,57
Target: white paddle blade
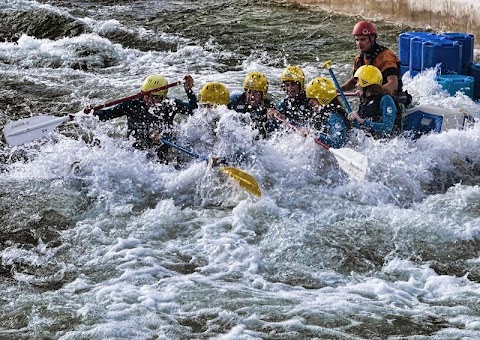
x,y
352,162
26,130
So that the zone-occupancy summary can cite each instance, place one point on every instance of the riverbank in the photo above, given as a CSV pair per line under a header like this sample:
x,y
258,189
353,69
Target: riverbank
x,y
442,15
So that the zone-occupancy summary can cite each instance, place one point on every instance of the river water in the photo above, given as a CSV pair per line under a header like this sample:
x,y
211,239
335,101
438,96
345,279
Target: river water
x,y
98,242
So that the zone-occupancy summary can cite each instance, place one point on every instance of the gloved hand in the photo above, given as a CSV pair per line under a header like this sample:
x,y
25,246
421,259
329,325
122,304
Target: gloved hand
x,y
188,82
88,110
214,161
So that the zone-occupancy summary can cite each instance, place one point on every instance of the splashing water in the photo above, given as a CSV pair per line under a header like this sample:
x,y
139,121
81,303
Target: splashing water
x,y
97,241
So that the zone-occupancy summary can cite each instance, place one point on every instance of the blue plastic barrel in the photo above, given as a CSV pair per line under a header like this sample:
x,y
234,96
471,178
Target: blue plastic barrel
x,y
413,72
446,52
404,45
475,73
456,82
468,43
420,123
416,49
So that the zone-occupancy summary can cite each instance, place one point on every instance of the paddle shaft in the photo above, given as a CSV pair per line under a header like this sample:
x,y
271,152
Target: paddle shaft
x,y
322,144
134,96
182,149
298,126
244,179
339,89
28,129
352,162
328,66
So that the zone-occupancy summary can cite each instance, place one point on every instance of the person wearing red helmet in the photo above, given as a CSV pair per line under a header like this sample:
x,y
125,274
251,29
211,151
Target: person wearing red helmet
x,y
371,53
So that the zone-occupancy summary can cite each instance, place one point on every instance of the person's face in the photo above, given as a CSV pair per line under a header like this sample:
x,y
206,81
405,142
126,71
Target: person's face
x,y
360,90
292,88
254,98
152,99
363,42
314,103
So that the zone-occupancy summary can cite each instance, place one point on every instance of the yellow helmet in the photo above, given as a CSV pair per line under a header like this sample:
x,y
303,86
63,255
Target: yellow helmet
x,y
322,89
294,73
214,93
368,75
256,81
154,81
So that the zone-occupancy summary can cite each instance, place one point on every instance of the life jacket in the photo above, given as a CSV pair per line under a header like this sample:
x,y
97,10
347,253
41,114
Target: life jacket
x,y
297,109
376,57
371,109
321,119
238,103
373,57
258,115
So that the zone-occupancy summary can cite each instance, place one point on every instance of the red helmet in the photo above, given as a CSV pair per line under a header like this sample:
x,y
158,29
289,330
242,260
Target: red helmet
x,y
364,28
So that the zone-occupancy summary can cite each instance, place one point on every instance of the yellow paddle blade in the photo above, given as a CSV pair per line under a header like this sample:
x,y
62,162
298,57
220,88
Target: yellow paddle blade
x,y
245,180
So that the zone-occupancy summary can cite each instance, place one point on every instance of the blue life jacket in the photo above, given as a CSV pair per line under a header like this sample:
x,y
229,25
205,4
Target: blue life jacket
x,y
331,125
380,114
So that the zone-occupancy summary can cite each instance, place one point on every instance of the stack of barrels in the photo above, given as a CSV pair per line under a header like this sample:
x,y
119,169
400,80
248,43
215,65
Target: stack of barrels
x,y
450,53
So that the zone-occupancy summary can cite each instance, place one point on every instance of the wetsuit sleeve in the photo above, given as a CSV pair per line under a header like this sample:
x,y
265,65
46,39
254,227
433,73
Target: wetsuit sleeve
x,y
389,112
117,111
337,132
187,107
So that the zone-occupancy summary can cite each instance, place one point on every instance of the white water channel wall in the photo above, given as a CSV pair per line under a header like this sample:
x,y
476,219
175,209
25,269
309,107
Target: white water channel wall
x,y
441,15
